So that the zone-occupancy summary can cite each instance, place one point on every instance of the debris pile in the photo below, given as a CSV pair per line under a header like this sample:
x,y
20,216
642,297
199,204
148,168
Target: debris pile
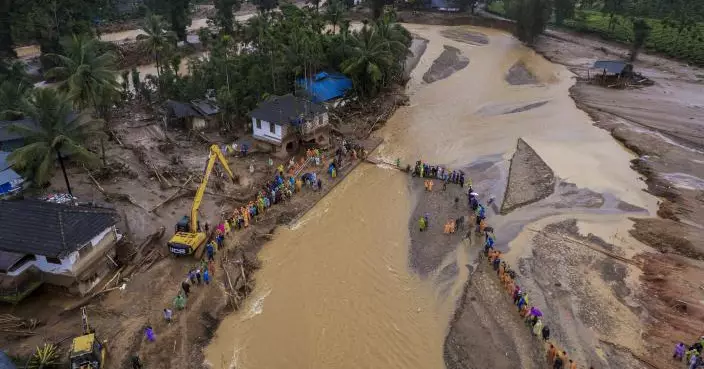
x,y
14,325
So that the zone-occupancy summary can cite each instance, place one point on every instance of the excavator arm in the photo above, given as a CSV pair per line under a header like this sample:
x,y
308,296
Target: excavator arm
x,y
215,154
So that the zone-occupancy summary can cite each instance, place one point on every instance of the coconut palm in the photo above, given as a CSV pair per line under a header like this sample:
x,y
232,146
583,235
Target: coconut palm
x,y
158,41
370,58
397,38
84,72
334,12
88,75
57,131
15,85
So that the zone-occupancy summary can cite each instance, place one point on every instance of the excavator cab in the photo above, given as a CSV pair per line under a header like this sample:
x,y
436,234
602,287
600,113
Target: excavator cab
x,y
183,225
87,352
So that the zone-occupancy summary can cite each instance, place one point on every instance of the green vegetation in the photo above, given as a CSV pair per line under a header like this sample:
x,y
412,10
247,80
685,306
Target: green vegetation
x,y
246,64
44,357
531,18
273,49
676,27
58,132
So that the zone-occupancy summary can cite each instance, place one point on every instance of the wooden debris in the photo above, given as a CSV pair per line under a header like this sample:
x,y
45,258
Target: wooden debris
x,y
174,195
95,182
17,326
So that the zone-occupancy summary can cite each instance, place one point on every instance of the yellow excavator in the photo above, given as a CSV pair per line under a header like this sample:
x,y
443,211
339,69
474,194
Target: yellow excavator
x,y
87,352
189,237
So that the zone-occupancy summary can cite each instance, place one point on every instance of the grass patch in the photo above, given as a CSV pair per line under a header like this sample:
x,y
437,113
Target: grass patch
x,y
497,7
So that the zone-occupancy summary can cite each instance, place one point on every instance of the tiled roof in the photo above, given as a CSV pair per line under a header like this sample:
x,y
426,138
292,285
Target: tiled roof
x,y
287,109
44,228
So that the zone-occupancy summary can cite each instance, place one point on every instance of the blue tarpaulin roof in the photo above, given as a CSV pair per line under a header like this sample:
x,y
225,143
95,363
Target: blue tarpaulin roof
x,y
325,86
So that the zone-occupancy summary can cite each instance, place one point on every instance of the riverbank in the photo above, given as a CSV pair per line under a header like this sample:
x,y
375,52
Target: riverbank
x,y
662,125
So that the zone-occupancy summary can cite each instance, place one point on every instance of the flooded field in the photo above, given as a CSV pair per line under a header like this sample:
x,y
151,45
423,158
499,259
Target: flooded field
x,y
336,290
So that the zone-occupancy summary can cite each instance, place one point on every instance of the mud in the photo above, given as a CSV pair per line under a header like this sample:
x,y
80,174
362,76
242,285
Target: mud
x,y
519,74
429,248
139,149
585,296
450,61
487,331
530,179
417,48
466,36
661,124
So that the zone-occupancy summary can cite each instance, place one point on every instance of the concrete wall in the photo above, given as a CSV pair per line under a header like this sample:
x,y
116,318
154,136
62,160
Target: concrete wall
x,y
198,124
264,130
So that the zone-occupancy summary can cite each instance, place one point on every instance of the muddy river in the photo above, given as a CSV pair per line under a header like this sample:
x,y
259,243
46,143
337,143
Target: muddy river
x,y
336,290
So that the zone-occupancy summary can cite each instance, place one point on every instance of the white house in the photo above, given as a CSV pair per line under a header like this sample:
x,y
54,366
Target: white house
x,y
64,245
281,123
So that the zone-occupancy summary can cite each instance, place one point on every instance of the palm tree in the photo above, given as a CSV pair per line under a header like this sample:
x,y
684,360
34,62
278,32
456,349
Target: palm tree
x,y
370,59
14,88
334,13
11,98
58,131
88,75
157,41
397,38
84,72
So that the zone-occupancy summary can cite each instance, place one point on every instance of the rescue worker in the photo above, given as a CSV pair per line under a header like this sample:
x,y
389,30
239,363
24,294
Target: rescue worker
x,y
422,224
538,327
558,363
679,351
552,351
546,333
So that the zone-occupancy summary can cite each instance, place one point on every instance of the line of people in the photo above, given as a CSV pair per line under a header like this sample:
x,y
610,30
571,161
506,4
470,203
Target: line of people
x,y
556,358
424,170
533,317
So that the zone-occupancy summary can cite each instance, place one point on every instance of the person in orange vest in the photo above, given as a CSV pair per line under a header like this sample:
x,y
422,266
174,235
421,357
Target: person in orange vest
x,y
430,187
552,351
573,365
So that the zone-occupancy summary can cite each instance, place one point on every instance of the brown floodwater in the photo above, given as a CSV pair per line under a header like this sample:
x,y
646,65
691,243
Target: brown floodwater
x,y
336,291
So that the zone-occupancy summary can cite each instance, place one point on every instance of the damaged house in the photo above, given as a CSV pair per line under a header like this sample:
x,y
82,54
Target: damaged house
x,y
63,245
197,115
282,123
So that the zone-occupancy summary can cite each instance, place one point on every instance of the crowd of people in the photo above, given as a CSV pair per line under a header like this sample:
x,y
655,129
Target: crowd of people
x,y
285,183
556,358
692,355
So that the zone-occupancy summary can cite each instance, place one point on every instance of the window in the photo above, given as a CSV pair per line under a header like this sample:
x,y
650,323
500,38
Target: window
x,y
53,260
272,128
259,124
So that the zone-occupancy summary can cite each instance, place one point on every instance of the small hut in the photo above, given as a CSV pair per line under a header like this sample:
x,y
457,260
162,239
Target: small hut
x,y
612,73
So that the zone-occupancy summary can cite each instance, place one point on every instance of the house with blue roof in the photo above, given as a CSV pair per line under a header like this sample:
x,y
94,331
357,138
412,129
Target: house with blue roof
x,y
325,86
